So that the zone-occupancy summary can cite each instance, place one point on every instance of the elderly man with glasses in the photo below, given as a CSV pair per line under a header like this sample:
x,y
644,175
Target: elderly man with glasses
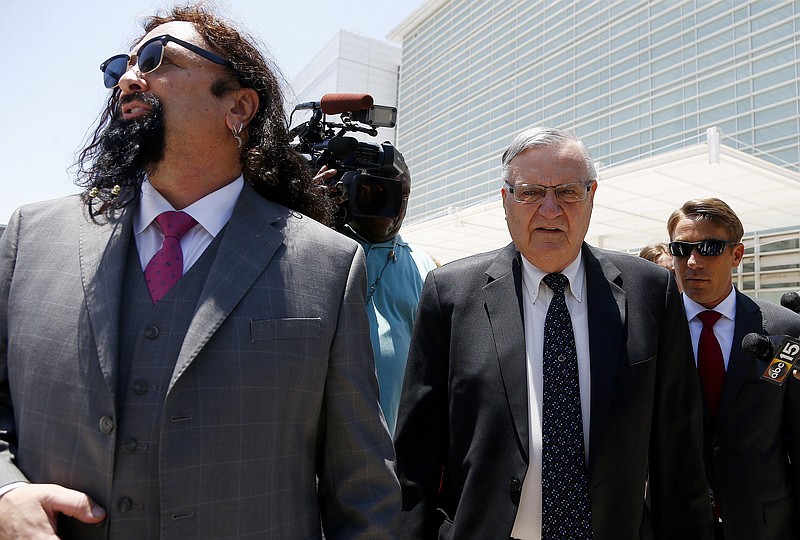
x,y
548,380
184,349
752,428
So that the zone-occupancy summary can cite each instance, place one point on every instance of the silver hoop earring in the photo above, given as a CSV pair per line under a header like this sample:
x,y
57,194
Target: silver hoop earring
x,y
236,133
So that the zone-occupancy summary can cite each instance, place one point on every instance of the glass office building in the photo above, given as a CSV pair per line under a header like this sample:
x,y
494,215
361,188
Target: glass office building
x,y
771,264
349,63
630,78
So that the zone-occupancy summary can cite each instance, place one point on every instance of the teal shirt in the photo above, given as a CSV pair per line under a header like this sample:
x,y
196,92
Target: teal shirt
x,y
391,307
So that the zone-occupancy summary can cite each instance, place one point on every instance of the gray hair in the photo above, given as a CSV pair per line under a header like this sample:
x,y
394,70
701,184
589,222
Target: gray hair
x,y
543,137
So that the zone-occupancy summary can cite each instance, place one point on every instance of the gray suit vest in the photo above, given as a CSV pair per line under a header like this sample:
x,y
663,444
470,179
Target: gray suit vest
x,y
150,341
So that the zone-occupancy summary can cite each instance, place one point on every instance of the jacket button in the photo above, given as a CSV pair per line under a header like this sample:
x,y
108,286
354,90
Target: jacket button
x,y
106,424
515,485
141,387
124,504
717,450
151,332
129,445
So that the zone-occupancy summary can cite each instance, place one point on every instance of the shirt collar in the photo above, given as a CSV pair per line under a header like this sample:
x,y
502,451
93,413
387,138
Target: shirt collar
x,y
574,272
727,307
212,211
396,241
367,245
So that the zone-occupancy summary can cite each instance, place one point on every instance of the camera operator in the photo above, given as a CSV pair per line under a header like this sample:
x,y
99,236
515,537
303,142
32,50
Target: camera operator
x,y
369,184
396,271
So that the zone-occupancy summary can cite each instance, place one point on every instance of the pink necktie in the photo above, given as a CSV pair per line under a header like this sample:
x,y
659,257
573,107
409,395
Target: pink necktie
x,y
710,364
166,267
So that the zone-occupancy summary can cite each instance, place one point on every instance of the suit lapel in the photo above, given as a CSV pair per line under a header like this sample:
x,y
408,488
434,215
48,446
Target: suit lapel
x,y
503,297
740,364
250,240
607,316
103,251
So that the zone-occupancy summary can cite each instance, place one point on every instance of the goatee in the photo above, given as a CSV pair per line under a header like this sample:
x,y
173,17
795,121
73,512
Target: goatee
x,y
128,149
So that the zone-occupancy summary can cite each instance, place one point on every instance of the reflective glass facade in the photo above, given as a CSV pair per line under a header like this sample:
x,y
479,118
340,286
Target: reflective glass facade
x,y
630,78
771,264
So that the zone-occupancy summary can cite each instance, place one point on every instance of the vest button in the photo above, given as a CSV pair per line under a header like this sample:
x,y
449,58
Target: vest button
x,y
129,445
140,387
717,450
515,485
106,424
124,504
151,332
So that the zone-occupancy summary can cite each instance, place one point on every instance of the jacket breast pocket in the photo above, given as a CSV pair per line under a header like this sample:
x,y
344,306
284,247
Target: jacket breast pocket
x,y
276,329
634,360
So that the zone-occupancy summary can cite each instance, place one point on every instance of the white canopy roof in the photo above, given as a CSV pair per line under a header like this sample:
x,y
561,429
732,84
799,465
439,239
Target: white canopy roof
x,y
634,200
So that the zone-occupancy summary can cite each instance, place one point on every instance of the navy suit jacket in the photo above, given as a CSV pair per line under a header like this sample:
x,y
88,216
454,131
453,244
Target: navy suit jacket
x,y
462,435
755,439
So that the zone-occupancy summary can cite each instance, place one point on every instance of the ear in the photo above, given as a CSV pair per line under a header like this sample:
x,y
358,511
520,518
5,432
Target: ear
x,y
738,254
243,108
592,191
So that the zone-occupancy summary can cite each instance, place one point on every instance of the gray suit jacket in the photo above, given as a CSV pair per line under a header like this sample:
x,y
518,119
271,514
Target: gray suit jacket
x,y
753,448
280,325
462,433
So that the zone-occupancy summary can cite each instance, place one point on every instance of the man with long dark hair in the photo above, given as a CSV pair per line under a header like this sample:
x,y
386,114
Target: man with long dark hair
x,y
184,351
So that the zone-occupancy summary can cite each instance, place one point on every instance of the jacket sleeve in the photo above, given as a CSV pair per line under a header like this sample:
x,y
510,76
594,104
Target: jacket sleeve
x,y
421,437
359,496
680,504
792,422
9,473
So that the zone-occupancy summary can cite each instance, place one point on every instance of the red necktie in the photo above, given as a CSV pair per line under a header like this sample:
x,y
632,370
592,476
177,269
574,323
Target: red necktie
x,y
710,364
166,267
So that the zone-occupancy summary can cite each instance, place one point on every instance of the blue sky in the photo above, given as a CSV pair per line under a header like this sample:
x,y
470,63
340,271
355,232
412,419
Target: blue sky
x,y
52,91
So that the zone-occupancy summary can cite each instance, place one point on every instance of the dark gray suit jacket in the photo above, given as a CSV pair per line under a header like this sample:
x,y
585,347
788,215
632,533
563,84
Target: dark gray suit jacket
x,y
280,323
462,436
753,449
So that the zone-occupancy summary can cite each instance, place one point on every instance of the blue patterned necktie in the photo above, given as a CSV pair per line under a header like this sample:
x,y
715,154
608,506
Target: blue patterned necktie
x,y
566,507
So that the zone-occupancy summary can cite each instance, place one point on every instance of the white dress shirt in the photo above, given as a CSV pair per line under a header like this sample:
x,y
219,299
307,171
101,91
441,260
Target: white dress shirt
x,y
537,296
724,328
211,212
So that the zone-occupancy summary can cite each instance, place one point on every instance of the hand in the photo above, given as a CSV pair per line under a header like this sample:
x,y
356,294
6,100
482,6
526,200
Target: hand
x,y
324,174
30,511
323,177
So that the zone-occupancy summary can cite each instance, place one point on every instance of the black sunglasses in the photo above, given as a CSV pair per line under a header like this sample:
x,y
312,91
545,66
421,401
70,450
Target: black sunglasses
x,y
706,248
149,58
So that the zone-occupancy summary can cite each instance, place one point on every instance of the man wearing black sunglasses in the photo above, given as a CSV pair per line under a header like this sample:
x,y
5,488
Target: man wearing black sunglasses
x,y
184,351
752,428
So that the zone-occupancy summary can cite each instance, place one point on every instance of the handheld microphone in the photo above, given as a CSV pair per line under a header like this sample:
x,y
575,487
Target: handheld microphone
x,y
782,352
338,103
791,300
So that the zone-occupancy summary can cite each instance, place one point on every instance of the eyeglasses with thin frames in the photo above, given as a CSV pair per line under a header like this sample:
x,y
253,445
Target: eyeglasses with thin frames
x,y
566,193
149,58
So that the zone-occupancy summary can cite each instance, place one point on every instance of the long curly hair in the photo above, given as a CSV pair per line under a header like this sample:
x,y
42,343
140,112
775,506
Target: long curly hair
x,y
269,164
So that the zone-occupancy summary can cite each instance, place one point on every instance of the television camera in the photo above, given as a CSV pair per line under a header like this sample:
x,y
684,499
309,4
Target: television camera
x,y
367,183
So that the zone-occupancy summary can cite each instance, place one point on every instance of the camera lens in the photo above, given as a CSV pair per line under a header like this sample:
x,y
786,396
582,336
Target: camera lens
x,y
372,197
